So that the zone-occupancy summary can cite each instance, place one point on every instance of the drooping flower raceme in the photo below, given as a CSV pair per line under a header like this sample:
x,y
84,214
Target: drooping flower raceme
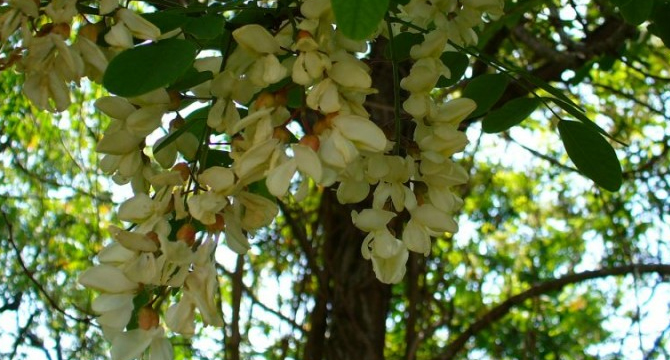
x,y
217,176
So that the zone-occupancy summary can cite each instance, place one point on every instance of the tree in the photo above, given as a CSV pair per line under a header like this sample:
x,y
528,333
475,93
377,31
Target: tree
x,y
273,154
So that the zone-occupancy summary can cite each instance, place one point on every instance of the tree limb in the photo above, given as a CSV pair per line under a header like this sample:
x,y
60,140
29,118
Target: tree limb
x,y
504,308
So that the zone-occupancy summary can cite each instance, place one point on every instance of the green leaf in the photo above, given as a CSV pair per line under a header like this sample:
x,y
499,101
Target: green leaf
x,y
260,188
295,97
139,301
195,123
636,12
402,43
252,15
218,158
358,19
510,114
485,90
592,154
457,63
578,113
191,78
166,20
205,27
660,25
148,67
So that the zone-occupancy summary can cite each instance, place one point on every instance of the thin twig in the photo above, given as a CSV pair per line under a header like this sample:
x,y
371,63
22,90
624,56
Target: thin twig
x,y
30,276
506,306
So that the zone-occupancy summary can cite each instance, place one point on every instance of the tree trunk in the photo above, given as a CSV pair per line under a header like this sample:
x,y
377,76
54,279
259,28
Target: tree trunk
x,y
358,301
351,313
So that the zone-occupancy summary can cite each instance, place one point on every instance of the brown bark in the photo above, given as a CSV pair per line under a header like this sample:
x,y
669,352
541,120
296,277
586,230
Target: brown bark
x,y
359,303
348,320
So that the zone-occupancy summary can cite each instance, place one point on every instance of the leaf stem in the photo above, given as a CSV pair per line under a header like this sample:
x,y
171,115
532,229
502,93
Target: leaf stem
x,y
396,87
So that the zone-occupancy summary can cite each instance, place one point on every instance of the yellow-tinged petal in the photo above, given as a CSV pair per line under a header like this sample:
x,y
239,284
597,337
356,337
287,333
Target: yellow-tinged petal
x,y
371,219
132,240
107,278
365,134
114,106
136,209
220,179
140,27
256,38
279,178
308,161
131,344
350,74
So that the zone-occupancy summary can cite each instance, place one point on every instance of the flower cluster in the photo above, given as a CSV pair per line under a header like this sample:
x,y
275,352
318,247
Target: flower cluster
x,y
184,204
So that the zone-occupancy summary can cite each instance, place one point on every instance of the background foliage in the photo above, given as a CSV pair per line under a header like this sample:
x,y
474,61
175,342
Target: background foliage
x,y
512,284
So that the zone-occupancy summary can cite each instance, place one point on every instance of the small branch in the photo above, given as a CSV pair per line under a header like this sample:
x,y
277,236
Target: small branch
x,y
37,284
504,308
255,301
233,349
542,156
22,335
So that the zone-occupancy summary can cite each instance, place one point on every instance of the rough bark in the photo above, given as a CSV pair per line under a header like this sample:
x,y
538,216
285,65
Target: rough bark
x,y
349,316
359,303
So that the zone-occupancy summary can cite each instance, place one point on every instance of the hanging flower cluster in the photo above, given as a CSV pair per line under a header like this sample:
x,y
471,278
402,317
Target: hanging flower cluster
x,y
183,204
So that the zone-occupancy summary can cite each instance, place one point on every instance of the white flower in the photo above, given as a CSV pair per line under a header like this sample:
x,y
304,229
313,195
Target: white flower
x,y
115,309
205,206
61,11
255,160
335,150
107,278
180,317
279,178
131,344
350,74
416,237
202,286
259,211
138,26
365,134
256,38
132,240
389,256
119,36
324,96
219,179
435,220
107,6
235,238
371,219
307,161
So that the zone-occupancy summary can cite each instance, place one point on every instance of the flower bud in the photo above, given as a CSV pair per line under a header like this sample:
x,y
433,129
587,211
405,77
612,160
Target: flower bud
x,y
186,234
147,318
217,226
311,141
183,169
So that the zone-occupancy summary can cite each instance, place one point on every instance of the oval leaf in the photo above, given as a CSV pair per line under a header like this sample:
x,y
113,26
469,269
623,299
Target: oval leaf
x,y
205,27
358,19
510,114
591,153
457,63
402,43
485,90
148,67
636,12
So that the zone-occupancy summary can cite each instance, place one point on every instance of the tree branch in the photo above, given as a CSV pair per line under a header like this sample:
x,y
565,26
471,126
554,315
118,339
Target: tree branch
x,y
504,308
30,276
